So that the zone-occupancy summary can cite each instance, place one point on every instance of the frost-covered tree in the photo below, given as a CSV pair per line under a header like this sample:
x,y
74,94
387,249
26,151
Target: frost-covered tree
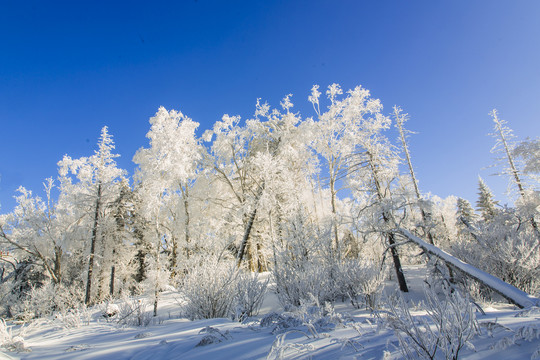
x,y
504,143
529,152
242,160
356,152
485,203
465,210
167,171
92,184
335,139
400,119
30,231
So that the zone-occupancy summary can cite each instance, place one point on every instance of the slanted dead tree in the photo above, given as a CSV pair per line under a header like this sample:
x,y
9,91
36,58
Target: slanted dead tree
x,y
509,292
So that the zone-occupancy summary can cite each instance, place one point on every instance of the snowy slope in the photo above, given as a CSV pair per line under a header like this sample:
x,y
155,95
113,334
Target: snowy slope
x,y
506,333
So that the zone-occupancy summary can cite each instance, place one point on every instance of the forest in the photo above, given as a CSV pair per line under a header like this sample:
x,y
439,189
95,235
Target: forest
x,y
329,205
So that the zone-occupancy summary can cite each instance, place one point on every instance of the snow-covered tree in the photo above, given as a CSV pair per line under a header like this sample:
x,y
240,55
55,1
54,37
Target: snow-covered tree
x,y
400,119
167,171
29,231
485,203
165,175
92,184
504,143
355,151
529,152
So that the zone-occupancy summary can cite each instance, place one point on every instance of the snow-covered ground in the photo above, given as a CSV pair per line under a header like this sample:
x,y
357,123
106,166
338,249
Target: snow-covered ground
x,y
506,333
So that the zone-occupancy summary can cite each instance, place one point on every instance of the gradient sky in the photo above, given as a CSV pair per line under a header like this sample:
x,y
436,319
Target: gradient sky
x,y
69,68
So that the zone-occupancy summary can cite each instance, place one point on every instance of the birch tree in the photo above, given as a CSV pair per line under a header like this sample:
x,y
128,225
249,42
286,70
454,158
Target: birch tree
x,y
31,230
354,148
168,170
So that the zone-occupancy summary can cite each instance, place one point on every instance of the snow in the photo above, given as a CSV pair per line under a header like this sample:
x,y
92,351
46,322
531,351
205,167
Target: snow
x,y
506,333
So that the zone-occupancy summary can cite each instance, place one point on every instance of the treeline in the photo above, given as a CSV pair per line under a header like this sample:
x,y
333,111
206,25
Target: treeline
x,y
313,200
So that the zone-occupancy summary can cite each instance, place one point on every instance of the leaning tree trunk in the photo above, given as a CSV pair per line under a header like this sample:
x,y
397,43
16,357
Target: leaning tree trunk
x,y
249,227
511,293
93,246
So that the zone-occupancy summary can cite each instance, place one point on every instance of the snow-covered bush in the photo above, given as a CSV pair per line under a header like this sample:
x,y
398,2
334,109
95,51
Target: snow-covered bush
x,y
73,318
213,336
133,312
326,279
448,327
298,281
209,289
18,285
308,317
280,347
47,299
250,291
217,288
506,247
527,333
9,341
361,282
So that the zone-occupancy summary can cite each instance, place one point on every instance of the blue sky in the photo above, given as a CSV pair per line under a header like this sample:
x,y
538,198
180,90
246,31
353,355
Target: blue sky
x,y
69,68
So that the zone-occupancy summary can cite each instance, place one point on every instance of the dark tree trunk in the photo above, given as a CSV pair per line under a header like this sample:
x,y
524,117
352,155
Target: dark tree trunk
x,y
58,263
397,265
390,237
245,238
111,283
93,246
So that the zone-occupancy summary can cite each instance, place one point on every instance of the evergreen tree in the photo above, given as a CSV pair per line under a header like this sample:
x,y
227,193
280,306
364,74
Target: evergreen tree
x,y
465,211
485,204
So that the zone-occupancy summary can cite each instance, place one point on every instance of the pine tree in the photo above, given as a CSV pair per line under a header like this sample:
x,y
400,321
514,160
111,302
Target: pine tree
x,y
485,204
465,211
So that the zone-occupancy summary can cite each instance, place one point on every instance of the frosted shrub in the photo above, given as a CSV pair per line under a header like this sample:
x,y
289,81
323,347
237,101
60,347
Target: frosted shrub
x,y
129,311
9,341
297,282
250,291
449,326
73,318
209,290
505,247
325,280
213,336
134,312
43,301
361,282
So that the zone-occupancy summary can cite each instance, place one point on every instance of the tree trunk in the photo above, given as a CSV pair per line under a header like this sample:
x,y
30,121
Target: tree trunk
x,y
111,282
93,246
58,264
333,194
511,293
399,122
390,237
187,238
513,168
174,257
249,226
397,262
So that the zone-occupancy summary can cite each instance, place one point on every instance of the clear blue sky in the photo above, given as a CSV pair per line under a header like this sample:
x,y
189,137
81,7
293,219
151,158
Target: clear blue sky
x,y
69,68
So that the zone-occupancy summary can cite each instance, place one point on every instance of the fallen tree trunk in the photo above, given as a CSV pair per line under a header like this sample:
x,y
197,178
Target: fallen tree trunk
x,y
509,292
